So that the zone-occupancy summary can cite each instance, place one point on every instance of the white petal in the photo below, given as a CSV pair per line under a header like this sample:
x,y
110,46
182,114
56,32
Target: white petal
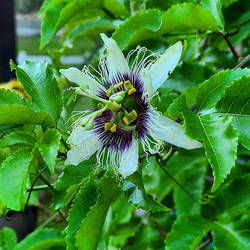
x,y
116,61
146,79
129,160
77,76
165,65
83,151
78,135
170,131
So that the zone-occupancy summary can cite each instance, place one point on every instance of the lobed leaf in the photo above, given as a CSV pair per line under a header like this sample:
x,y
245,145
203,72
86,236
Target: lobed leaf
x,y
236,103
10,97
212,90
91,227
41,239
84,200
186,232
13,177
39,81
134,190
152,23
49,147
214,131
20,114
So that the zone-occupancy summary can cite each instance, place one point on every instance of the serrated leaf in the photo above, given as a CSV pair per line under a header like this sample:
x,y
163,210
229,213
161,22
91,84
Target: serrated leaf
x,y
116,7
134,190
42,239
215,7
84,200
152,23
91,227
186,231
39,81
10,97
8,239
13,177
90,27
232,235
72,175
17,137
59,13
194,181
214,131
20,114
212,90
236,103
49,147
223,202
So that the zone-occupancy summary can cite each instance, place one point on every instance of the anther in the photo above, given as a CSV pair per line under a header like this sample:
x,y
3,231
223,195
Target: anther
x,y
131,118
106,126
131,91
100,105
113,128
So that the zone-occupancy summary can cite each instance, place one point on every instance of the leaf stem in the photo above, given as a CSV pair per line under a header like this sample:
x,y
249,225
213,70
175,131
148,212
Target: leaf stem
x,y
31,188
38,188
243,62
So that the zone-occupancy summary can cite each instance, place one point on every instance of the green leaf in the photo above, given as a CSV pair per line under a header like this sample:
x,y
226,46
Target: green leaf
x,y
134,189
223,201
84,200
212,90
214,131
90,27
72,175
194,182
17,137
215,7
59,13
13,177
232,235
91,227
49,147
10,97
39,81
236,103
116,7
45,6
42,239
153,23
186,232
8,239
20,114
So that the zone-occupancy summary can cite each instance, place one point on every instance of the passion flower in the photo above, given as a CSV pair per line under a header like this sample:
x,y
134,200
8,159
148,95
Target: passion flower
x,y
124,118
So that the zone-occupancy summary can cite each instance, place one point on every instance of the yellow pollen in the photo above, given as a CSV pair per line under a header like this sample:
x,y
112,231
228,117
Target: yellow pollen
x,y
125,119
100,105
113,128
106,126
127,84
132,117
131,91
99,114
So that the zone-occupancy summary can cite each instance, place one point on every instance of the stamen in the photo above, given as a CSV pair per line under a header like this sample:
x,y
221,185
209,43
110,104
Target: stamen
x,y
99,114
131,91
113,128
100,105
109,126
131,118
128,85
106,126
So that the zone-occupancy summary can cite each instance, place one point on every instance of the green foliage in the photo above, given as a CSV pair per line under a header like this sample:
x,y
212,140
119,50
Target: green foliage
x,y
14,167
44,238
214,131
49,147
8,238
152,23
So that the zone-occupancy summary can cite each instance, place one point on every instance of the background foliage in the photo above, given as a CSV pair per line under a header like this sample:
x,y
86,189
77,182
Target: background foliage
x,y
176,200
